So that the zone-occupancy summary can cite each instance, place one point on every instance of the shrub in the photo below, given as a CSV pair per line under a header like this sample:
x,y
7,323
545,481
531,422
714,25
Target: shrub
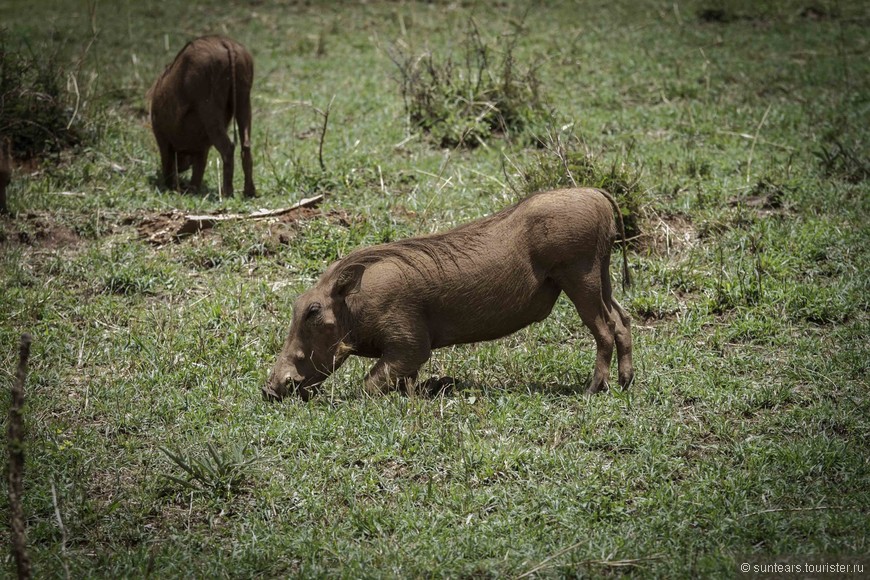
x,y
843,160
566,162
462,102
35,115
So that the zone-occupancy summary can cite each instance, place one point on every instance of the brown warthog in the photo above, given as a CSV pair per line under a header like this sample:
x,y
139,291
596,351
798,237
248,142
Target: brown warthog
x,y
193,103
5,175
484,280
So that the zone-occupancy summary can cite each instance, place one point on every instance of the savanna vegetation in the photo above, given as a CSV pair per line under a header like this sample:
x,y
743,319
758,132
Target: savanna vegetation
x,y
735,136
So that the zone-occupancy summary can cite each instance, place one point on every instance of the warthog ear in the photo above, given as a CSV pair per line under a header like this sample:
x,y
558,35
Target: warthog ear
x,y
348,281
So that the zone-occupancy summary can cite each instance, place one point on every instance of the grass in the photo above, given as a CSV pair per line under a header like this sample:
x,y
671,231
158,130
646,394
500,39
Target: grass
x,y
742,134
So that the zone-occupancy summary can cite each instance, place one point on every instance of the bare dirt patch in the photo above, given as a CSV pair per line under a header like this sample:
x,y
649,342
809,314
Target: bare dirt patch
x,y
667,234
37,230
174,226
766,199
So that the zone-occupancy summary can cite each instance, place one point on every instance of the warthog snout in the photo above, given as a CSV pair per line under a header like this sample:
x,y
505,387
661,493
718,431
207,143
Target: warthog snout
x,y
283,382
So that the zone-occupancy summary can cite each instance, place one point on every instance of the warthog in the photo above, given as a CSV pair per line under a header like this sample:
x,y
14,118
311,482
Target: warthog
x,y
192,104
481,281
5,176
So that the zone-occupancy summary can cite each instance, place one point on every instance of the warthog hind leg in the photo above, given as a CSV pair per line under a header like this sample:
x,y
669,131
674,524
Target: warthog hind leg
x,y
584,288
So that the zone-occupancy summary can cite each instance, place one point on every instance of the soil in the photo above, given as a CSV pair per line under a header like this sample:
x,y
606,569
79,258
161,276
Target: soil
x,y
37,230
43,230
174,226
667,234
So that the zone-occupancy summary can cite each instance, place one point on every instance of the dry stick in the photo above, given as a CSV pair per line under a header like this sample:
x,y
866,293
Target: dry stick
x,y
754,141
543,563
193,223
63,536
73,76
196,223
323,132
92,10
16,461
809,509
506,176
75,84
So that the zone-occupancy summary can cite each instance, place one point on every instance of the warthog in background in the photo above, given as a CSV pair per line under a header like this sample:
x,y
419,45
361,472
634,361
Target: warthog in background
x,y
484,280
193,103
5,175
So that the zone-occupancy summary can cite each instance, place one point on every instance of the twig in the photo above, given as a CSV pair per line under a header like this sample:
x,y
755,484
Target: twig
x,y
627,563
16,461
762,141
809,509
490,177
506,176
611,563
257,215
75,113
381,177
754,141
560,152
63,536
193,224
543,562
325,115
92,10
405,141
73,76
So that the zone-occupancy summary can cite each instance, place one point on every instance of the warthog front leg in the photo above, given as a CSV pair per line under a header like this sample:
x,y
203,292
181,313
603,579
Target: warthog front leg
x,y
168,165
198,162
248,168
217,134
396,371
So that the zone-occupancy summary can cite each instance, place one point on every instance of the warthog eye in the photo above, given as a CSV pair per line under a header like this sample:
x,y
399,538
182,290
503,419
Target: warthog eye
x,y
313,313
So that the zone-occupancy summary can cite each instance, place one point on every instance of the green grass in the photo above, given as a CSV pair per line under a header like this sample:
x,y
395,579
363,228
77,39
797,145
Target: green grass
x,y
744,437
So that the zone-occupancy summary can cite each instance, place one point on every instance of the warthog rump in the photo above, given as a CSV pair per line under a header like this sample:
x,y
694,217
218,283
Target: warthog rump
x,y
192,104
481,281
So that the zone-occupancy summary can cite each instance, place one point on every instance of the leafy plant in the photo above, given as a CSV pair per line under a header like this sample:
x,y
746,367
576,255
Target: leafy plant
x,y
462,102
843,161
567,162
219,472
35,113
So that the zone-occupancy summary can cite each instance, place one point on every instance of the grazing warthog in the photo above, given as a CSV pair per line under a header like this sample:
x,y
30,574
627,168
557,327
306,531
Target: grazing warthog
x,y
484,280
5,176
193,103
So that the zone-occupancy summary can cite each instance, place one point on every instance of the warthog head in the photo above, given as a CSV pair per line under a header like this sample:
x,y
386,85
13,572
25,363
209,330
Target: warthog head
x,y
315,345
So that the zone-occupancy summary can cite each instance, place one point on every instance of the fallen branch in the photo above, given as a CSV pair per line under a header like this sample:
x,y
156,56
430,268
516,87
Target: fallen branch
x,y
174,225
16,461
194,223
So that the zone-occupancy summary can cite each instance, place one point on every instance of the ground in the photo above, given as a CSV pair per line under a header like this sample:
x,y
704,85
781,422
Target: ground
x,y
741,132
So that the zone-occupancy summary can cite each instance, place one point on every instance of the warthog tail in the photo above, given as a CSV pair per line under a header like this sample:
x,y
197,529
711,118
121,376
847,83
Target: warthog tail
x,y
626,275
235,120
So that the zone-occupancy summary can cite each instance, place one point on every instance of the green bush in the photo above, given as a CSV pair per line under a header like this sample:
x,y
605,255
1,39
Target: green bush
x,y
567,162
36,116
462,102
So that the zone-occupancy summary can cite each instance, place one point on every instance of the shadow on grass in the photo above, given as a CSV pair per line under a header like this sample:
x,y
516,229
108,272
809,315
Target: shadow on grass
x,y
450,386
184,188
